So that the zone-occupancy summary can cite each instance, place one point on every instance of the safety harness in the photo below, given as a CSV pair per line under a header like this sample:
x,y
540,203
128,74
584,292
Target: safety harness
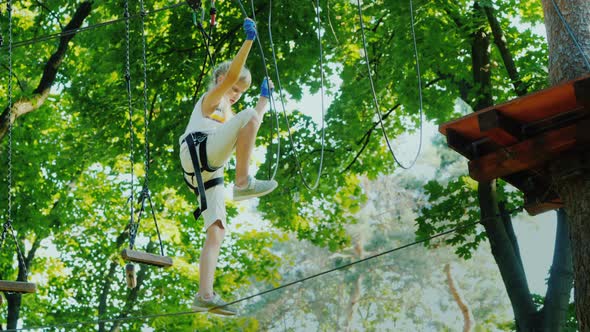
x,y
199,140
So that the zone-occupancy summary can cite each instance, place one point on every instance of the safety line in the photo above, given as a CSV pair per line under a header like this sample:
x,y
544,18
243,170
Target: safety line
x,y
282,100
91,27
313,276
375,99
273,111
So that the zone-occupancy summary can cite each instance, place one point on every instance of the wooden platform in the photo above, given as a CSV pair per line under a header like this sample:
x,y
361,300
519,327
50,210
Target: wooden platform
x,y
146,258
17,286
515,140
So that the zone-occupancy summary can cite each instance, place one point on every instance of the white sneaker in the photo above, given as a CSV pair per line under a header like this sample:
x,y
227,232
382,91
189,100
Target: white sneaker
x,y
255,188
215,305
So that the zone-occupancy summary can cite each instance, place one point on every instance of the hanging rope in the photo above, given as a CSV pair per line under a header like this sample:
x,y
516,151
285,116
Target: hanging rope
x,y
375,99
281,98
272,173
196,6
145,193
7,227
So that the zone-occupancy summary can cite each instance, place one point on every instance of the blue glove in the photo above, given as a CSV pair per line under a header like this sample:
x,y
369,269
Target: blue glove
x,y
264,89
250,29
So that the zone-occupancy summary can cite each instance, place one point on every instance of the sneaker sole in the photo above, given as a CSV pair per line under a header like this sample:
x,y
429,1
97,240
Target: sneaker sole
x,y
200,309
241,198
222,311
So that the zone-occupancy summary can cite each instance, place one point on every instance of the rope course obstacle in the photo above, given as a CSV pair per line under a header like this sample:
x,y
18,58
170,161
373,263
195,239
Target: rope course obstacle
x,y
130,254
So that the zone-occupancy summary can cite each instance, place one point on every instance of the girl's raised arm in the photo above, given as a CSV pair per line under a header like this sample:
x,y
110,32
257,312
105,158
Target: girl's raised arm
x,y
213,97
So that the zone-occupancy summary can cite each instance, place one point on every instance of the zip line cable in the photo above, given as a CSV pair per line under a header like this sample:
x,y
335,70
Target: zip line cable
x,y
375,99
572,34
92,27
289,284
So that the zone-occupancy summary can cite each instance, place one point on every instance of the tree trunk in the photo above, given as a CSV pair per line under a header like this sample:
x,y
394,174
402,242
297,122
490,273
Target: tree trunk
x,y
357,290
566,62
560,281
501,245
506,258
465,311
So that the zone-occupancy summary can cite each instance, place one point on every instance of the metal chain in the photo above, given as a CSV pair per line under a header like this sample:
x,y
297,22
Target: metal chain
x,y
8,224
145,98
132,224
146,191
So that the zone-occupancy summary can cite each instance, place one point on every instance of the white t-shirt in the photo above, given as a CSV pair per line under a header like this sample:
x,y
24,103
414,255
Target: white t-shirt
x,y
199,122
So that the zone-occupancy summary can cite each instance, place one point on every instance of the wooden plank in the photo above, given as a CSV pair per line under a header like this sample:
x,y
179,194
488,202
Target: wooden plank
x,y
539,202
17,286
146,258
458,143
536,208
554,122
524,155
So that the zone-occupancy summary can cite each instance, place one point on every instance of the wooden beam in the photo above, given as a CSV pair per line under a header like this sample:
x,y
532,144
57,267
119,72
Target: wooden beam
x,y
524,155
17,286
535,204
499,128
146,258
459,143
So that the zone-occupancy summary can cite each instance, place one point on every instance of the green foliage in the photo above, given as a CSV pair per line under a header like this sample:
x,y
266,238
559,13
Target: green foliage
x,y
454,205
571,324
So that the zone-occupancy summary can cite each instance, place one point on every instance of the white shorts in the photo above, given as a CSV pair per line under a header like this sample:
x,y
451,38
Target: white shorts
x,y
220,145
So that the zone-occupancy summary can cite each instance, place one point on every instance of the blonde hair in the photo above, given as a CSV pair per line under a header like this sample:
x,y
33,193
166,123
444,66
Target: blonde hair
x,y
223,68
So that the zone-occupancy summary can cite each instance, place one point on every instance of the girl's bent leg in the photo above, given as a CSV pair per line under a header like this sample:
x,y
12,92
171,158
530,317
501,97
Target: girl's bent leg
x,y
208,260
221,142
244,148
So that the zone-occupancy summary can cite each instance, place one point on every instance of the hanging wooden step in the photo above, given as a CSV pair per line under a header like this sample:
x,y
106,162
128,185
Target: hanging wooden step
x,y
516,140
17,286
146,258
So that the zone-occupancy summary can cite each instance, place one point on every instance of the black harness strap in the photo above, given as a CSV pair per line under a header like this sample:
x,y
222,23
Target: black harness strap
x,y
200,164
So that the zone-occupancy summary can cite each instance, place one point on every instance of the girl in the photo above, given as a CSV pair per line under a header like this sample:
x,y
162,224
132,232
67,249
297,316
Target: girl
x,y
216,131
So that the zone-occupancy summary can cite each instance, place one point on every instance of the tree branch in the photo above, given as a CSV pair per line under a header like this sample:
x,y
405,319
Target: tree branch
x,y
41,93
561,278
519,87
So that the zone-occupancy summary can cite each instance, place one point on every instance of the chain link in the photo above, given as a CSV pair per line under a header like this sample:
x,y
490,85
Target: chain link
x,y
132,224
8,224
145,97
